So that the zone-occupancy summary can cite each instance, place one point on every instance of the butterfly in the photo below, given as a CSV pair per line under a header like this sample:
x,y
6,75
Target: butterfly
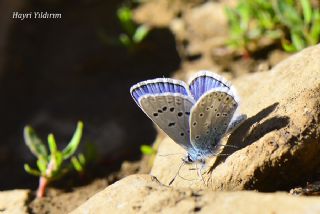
x,y
195,115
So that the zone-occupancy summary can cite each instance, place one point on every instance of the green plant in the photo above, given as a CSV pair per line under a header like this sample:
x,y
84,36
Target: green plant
x,y
147,150
302,22
151,151
293,22
50,166
133,34
80,161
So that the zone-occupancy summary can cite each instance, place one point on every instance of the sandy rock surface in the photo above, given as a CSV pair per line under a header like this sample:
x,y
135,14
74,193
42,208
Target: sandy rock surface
x,y
203,28
14,201
197,28
279,143
144,194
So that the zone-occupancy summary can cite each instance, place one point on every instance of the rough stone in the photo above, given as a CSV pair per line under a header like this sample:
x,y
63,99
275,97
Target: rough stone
x,y
144,194
202,26
158,13
14,201
279,143
206,26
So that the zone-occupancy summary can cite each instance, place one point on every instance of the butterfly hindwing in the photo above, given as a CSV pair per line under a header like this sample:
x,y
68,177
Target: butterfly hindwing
x,y
210,117
236,122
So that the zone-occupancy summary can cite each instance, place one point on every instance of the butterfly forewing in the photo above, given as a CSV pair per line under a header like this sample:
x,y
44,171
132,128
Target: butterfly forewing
x,y
210,118
171,113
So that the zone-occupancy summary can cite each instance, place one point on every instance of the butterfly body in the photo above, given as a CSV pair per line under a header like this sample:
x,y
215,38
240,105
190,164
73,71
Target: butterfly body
x,y
196,116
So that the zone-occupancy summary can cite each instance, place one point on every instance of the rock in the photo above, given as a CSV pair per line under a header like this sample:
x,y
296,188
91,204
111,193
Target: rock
x,y
144,194
202,26
311,189
14,201
157,13
206,27
160,13
199,30
278,143
66,200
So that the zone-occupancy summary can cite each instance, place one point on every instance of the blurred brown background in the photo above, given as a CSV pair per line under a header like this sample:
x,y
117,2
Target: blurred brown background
x,y
54,72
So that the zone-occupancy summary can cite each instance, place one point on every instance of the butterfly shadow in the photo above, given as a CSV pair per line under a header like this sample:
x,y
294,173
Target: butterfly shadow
x,y
251,130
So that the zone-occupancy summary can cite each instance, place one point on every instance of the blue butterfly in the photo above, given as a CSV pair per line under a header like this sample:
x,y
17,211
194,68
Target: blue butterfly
x,y
196,116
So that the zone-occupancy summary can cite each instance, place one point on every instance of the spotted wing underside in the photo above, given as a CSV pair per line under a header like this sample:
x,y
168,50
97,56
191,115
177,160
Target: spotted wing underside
x,y
210,118
171,113
167,103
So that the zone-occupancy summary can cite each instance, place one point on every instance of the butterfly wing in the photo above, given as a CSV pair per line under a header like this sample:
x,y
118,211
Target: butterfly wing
x,y
216,102
236,122
210,117
204,81
167,103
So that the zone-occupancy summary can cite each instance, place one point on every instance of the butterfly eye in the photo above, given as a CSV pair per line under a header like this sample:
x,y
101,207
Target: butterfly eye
x,y
180,114
155,114
164,108
172,109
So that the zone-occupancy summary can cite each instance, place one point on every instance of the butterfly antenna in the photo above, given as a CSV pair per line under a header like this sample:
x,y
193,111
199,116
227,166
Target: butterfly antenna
x,y
165,155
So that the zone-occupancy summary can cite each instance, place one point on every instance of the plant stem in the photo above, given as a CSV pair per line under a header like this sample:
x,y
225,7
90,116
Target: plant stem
x,y
43,182
246,54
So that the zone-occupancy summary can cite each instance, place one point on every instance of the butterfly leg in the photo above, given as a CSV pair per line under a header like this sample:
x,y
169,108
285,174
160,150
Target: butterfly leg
x,y
200,172
177,174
